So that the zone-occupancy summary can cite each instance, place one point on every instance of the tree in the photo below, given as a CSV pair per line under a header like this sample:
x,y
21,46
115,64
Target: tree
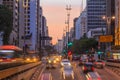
x,y
6,23
83,45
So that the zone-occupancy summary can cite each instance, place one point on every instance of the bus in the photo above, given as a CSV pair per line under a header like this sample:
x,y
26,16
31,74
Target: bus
x,y
11,53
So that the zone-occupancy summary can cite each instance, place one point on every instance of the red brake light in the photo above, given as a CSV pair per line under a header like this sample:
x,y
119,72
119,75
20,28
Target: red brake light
x,y
93,68
85,68
99,78
103,63
90,79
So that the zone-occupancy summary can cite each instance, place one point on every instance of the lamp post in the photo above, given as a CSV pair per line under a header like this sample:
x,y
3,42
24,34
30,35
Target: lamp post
x,y
108,21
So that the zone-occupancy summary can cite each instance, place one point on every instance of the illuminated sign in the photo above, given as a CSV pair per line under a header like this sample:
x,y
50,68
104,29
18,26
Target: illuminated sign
x,y
106,38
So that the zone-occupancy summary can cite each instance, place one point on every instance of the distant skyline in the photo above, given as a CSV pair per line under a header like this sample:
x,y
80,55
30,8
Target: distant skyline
x,y
56,15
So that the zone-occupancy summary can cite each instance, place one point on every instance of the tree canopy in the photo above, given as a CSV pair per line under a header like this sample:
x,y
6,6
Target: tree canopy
x,y
83,45
6,23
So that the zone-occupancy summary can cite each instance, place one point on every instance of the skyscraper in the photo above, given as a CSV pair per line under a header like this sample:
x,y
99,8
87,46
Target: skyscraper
x,y
117,24
13,6
96,9
28,21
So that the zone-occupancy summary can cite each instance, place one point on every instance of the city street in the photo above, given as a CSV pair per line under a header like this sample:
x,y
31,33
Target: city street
x,y
105,73
59,39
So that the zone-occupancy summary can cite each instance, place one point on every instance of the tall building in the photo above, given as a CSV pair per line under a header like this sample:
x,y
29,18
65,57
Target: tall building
x,y
96,9
40,27
117,22
59,46
81,26
1,1
71,34
28,24
43,29
110,17
13,5
74,24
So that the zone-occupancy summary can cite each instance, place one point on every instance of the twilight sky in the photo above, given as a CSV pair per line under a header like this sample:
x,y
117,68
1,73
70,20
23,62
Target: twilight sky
x,y
56,15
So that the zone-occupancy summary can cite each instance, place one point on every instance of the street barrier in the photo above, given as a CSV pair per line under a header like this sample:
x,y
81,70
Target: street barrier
x,y
17,70
115,67
112,64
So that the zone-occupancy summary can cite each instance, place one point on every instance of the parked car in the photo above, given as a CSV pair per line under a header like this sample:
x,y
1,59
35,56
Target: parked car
x,y
88,67
99,64
67,73
92,76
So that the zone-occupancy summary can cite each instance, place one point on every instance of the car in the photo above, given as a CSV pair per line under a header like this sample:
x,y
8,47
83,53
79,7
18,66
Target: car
x,y
82,62
51,63
91,59
92,76
65,62
29,59
99,64
67,72
76,57
44,59
88,67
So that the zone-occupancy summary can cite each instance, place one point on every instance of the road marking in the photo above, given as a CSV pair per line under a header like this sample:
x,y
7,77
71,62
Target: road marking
x,y
41,72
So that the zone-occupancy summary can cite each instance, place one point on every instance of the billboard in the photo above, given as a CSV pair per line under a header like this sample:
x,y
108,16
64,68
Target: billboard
x,y
105,38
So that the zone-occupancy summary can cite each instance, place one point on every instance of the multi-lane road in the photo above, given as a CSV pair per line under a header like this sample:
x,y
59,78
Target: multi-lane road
x,y
105,73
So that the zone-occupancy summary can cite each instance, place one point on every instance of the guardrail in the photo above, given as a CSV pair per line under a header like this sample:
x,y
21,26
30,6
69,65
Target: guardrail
x,y
112,64
16,70
115,67
115,70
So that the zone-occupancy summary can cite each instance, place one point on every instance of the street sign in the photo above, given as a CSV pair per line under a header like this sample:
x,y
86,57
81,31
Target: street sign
x,y
106,38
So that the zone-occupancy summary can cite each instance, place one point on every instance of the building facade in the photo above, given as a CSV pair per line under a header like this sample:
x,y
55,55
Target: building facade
x,y
95,33
96,9
28,24
59,46
117,22
81,26
13,5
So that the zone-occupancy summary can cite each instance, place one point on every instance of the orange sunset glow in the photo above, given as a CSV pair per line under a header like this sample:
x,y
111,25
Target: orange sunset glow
x,y
56,15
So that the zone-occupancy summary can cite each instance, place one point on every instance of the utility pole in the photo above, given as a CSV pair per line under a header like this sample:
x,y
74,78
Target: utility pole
x,y
68,8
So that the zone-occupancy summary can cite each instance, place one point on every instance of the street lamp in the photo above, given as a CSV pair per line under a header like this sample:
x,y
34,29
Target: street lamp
x,y
108,21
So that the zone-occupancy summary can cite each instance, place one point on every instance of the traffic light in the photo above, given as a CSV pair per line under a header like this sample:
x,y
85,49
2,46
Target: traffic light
x,y
70,44
69,53
64,51
99,52
86,51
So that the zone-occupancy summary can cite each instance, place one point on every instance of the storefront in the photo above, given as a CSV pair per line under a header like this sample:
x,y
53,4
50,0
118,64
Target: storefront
x,y
116,55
